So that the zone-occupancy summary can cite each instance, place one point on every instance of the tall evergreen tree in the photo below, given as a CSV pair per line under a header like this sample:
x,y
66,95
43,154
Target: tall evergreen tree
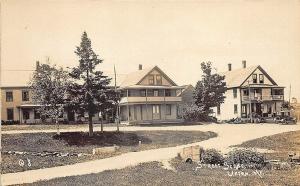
x,y
209,91
89,92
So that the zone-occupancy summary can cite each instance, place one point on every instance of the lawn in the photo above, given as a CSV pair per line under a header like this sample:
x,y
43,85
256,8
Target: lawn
x,y
282,143
153,174
80,142
48,126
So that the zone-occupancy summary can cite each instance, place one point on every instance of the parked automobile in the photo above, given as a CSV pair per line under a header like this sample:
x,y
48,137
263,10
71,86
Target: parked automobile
x,y
285,120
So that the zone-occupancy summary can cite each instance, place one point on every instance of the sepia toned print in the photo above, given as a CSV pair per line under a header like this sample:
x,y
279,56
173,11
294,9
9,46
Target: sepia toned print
x,y
150,92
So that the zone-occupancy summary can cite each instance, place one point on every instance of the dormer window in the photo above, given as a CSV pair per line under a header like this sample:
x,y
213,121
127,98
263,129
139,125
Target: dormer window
x,y
158,80
261,78
151,80
254,77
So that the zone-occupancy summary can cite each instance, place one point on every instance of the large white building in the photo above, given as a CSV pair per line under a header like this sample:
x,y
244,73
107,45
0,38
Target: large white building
x,y
250,85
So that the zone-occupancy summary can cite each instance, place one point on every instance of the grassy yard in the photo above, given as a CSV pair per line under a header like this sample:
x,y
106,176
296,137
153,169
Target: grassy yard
x,y
80,142
184,174
281,143
153,173
47,126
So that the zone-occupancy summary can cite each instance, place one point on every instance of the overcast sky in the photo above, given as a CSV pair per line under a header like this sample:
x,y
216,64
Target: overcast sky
x,y
176,36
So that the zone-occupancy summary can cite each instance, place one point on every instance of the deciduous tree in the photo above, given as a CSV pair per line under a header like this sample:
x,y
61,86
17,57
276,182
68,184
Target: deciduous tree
x,y
209,91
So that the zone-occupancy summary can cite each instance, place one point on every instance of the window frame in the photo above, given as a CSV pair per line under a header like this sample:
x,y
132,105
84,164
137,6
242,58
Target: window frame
x,y
234,90
158,81
151,79
261,78
168,93
12,114
156,93
25,114
254,78
23,93
235,109
36,114
7,97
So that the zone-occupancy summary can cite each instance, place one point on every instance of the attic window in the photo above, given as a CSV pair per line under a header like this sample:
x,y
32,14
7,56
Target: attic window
x,y
254,77
151,80
158,80
261,78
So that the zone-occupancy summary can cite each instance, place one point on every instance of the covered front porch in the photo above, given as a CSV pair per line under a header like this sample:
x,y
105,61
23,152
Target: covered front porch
x,y
150,113
265,109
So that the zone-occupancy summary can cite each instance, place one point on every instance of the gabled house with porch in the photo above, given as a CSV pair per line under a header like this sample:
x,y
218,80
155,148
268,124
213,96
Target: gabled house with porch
x,y
250,90
149,96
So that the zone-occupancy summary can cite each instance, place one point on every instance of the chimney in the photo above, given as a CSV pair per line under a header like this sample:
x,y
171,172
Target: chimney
x,y
37,65
140,67
229,67
244,63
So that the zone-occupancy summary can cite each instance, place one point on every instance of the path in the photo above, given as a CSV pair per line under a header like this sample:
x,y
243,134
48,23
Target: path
x,y
227,135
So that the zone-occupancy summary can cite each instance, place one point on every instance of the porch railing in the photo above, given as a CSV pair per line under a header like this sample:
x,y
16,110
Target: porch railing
x,y
263,98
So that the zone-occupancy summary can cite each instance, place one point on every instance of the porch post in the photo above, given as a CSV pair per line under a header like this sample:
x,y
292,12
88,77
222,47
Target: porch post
x,y
165,104
146,104
128,107
250,111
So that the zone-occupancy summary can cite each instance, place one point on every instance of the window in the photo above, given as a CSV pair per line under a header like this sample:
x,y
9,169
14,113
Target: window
x,y
218,109
167,92
9,96
158,80
168,109
254,77
10,114
143,93
37,115
261,78
235,108
25,114
25,95
246,92
234,93
151,80
155,109
155,93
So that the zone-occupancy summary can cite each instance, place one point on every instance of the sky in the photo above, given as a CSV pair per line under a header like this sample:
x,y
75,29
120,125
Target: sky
x,y
175,35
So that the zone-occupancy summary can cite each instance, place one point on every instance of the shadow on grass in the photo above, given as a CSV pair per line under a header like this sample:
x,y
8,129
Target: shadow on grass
x,y
102,139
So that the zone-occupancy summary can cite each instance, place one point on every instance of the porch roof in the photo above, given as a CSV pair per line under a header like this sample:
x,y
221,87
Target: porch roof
x,y
152,87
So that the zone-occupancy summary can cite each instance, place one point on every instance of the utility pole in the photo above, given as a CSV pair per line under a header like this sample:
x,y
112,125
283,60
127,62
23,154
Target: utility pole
x,y
250,107
117,111
290,95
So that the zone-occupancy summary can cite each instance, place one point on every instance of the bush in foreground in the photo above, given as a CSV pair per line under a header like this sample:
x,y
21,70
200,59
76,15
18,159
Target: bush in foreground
x,y
246,157
212,156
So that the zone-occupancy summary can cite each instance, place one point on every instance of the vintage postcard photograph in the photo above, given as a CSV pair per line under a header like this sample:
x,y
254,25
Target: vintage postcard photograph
x,y
150,92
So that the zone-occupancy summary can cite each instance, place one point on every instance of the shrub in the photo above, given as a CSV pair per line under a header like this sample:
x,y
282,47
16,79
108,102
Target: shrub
x,y
192,112
212,156
246,157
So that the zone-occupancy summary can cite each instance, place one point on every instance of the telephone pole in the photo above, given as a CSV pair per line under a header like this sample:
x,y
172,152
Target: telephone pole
x,y
117,102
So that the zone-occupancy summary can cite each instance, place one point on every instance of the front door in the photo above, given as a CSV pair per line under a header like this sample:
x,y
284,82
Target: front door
x,y
156,112
258,109
71,116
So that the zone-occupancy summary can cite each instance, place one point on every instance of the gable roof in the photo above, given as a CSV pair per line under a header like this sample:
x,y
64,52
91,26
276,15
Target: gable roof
x,y
136,77
237,78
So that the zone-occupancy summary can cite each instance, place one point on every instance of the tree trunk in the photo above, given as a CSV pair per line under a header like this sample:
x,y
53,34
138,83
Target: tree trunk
x,y
90,125
101,123
57,126
118,119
